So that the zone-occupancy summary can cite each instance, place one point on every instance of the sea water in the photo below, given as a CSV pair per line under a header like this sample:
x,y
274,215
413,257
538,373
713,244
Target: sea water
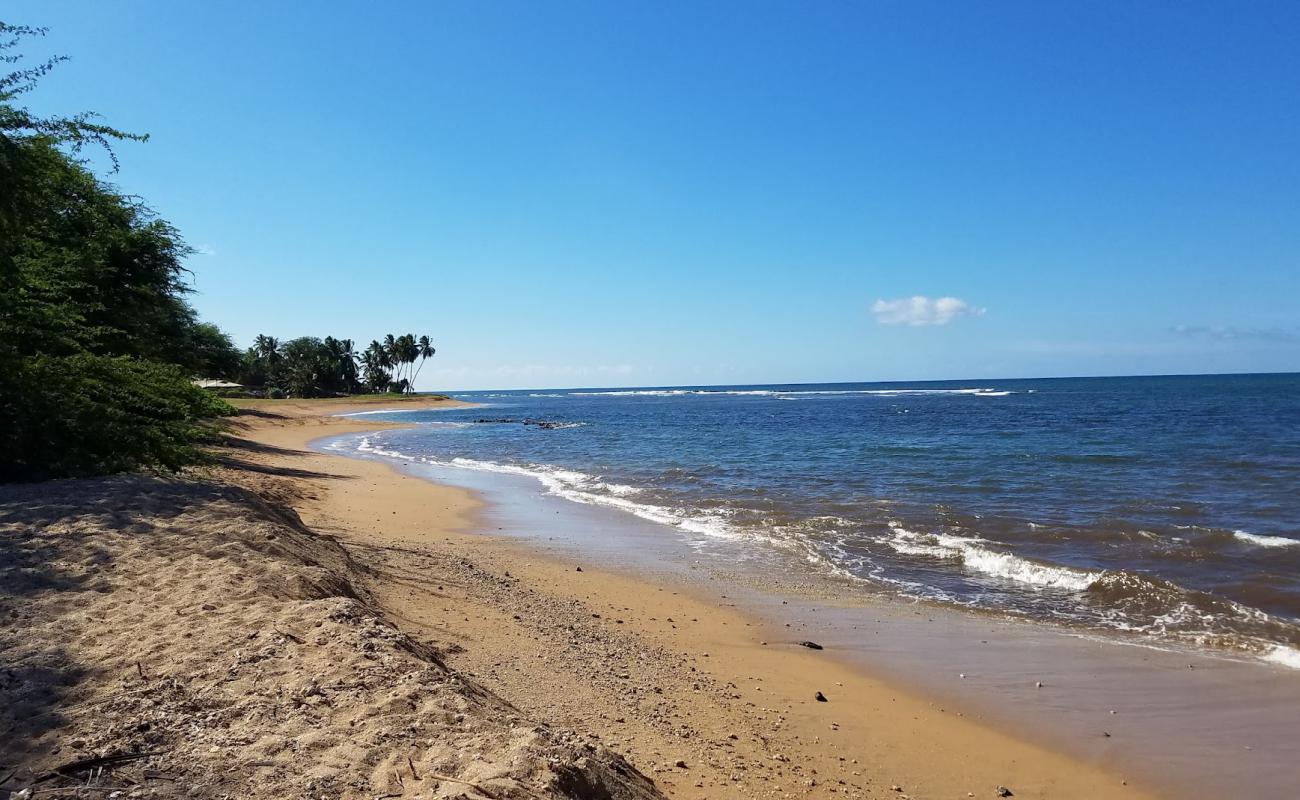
x,y
1166,508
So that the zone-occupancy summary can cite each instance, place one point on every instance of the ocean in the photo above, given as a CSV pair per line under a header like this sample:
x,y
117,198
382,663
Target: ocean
x,y
1166,508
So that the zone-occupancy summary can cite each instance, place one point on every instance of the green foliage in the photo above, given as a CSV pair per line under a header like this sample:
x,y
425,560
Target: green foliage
x,y
87,415
305,369
97,344
311,367
391,365
302,367
209,352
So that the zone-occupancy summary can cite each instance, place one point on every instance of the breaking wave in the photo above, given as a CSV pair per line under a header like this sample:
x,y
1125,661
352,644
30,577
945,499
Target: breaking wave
x,y
1260,540
975,555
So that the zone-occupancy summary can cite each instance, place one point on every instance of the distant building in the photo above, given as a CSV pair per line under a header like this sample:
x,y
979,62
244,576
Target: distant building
x,y
216,384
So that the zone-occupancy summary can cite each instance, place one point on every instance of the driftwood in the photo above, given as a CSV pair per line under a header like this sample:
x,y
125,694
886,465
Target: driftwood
x,y
91,763
473,786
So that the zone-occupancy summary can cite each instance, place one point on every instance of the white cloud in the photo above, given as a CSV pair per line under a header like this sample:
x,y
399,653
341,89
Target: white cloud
x,y
921,310
1229,333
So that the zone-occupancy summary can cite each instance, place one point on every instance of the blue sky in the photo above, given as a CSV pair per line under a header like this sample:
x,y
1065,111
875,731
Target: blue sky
x,y
594,194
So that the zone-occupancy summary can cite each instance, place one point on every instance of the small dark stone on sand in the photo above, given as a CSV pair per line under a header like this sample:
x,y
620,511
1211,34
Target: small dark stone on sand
x,y
812,645
821,698
578,569
1004,792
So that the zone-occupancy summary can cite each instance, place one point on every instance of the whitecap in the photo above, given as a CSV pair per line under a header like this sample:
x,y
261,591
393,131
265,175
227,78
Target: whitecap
x,y
791,393
1261,540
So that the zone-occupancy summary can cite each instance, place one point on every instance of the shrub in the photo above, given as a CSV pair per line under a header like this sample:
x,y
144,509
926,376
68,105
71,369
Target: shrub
x,y
69,416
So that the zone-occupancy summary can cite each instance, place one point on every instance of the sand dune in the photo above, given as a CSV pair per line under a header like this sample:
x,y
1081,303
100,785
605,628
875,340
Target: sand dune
x,y
220,648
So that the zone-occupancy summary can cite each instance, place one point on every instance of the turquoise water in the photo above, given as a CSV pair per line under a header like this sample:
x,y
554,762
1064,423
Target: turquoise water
x,y
1168,507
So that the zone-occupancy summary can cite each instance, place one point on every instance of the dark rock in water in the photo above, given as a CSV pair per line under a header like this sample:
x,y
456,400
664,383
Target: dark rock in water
x,y
821,698
544,424
812,645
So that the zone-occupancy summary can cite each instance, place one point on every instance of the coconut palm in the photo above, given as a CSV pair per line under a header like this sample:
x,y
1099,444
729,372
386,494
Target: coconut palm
x,y
376,364
267,347
425,350
342,358
408,350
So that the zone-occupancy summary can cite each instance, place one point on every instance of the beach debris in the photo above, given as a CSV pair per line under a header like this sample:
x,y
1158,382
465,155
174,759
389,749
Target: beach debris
x,y
1038,684
821,698
84,764
681,764
1005,792
577,569
811,645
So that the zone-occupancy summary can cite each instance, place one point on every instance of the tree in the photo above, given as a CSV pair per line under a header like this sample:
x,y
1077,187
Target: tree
x,y
425,351
392,355
261,362
374,368
344,358
407,351
211,353
306,367
97,343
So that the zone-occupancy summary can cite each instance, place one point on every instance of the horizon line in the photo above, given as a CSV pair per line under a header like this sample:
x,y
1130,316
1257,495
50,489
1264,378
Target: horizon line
x,y
869,383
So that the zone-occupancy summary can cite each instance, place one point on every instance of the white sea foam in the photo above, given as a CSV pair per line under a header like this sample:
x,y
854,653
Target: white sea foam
x,y
1286,656
582,488
976,557
383,411
788,393
635,393
1260,540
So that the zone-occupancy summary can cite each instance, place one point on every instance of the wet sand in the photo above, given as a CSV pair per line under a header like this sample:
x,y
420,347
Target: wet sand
x,y
705,698
1197,724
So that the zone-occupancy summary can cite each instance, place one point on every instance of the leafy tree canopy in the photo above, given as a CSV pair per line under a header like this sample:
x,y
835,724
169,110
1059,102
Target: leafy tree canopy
x,y
97,343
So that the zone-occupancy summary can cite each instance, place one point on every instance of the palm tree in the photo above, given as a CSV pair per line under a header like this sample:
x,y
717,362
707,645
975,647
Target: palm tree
x,y
392,356
343,365
410,350
425,350
348,363
267,347
374,367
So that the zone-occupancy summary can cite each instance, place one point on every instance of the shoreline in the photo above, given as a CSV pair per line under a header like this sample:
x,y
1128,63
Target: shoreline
x,y
1132,708
873,735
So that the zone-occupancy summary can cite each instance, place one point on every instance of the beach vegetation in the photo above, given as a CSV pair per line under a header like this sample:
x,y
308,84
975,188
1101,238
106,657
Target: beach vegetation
x,y
98,345
312,367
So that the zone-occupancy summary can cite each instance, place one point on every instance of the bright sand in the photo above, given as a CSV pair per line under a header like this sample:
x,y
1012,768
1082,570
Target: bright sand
x,y
679,678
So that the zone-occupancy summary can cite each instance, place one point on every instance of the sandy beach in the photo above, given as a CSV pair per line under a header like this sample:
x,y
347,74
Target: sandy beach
x,y
661,675
296,623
